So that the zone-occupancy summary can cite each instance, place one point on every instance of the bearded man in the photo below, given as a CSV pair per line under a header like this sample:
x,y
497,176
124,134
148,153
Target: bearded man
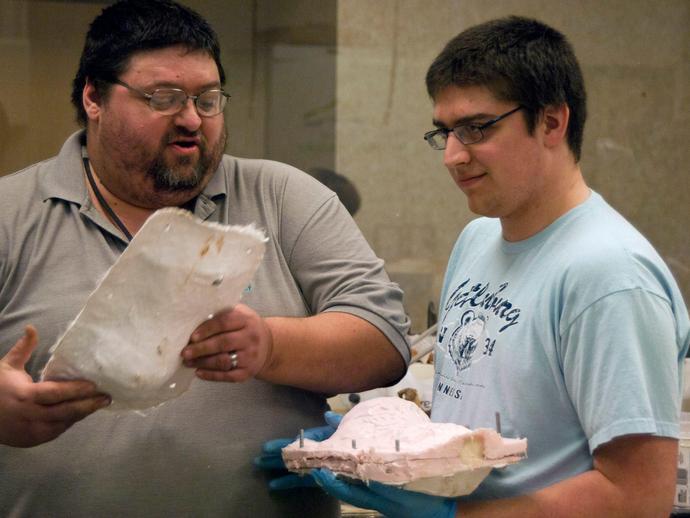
x,y
321,316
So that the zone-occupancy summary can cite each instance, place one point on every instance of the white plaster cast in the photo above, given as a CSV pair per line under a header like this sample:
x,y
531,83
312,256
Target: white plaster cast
x,y
176,272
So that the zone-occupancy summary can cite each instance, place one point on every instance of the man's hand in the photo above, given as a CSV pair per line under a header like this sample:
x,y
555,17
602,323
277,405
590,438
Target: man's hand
x,y
34,413
388,500
233,345
272,460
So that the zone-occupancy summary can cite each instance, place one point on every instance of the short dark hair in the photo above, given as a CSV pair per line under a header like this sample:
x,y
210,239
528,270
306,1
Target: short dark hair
x,y
517,59
130,26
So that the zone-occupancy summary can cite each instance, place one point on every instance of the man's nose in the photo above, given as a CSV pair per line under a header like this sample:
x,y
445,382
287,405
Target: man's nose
x,y
456,153
188,117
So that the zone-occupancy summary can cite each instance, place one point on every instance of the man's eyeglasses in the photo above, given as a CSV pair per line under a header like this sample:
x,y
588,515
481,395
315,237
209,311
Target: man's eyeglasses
x,y
465,133
169,101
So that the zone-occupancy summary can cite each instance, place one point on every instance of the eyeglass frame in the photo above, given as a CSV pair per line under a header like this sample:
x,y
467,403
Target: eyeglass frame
x,y
475,127
194,98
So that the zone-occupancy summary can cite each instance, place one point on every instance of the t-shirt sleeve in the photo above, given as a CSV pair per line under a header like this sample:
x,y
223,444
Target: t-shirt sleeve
x,y
334,265
620,363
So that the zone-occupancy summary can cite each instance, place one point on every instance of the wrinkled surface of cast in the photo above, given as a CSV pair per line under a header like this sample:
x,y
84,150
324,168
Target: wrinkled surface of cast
x,y
176,272
391,440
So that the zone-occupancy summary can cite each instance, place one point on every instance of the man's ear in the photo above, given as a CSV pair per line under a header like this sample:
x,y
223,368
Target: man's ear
x,y
555,120
91,100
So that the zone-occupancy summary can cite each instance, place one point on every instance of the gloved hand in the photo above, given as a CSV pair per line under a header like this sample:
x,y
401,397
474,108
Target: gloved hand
x,y
271,459
388,500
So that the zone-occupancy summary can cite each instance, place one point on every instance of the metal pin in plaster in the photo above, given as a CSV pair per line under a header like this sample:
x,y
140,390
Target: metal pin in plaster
x,y
301,438
498,422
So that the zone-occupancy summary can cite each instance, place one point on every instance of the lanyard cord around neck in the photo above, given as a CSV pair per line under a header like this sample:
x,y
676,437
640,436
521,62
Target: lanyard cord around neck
x,y
104,204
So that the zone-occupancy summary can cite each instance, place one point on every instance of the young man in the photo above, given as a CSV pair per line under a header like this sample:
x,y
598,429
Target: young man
x,y
555,311
149,93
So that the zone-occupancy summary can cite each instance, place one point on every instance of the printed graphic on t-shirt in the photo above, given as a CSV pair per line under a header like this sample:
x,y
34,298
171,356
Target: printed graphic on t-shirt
x,y
473,319
464,339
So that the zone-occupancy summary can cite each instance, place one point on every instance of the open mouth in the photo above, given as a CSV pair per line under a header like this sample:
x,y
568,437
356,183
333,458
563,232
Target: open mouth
x,y
186,144
185,147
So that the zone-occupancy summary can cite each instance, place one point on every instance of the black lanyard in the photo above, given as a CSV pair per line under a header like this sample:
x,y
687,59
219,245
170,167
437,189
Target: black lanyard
x,y
110,212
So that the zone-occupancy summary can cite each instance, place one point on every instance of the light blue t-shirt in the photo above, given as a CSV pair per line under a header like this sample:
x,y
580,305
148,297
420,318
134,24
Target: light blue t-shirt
x,y
575,336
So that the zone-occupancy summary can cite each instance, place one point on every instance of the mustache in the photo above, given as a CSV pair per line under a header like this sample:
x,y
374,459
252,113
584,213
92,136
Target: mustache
x,y
182,132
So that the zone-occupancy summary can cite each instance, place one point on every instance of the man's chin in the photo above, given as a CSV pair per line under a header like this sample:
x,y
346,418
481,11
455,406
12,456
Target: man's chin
x,y
182,176
178,178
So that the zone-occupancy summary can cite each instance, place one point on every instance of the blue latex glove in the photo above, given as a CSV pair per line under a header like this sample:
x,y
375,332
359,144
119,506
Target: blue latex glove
x,y
271,458
388,500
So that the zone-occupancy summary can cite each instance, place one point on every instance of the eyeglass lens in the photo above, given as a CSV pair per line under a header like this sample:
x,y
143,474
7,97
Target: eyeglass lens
x,y
437,139
170,101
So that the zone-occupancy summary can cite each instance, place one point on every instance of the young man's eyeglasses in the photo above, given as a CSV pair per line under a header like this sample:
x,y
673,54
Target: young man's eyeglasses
x,y
465,133
169,101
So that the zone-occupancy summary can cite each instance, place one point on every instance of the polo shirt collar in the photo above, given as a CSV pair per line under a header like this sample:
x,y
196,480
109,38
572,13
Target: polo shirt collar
x,y
216,187
63,177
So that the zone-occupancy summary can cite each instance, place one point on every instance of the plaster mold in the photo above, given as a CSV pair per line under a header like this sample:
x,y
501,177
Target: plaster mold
x,y
391,440
176,273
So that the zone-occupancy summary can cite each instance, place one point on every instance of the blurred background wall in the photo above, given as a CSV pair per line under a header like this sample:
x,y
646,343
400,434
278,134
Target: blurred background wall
x,y
340,85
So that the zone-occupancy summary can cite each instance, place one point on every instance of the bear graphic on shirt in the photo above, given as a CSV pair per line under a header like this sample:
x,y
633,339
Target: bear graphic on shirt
x,y
465,338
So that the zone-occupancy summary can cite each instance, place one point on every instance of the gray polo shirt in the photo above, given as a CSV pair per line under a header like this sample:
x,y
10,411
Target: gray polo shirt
x,y
193,455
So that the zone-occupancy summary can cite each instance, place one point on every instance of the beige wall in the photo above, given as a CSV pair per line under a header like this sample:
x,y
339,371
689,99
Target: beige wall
x,y
36,66
366,113
635,58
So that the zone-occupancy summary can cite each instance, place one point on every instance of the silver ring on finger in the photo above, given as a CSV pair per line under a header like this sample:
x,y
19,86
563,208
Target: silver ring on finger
x,y
233,360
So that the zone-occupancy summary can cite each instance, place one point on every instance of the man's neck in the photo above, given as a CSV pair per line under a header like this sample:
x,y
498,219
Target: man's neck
x,y
131,216
564,194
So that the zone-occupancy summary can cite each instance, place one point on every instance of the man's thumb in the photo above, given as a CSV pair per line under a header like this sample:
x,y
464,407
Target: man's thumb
x,y
22,350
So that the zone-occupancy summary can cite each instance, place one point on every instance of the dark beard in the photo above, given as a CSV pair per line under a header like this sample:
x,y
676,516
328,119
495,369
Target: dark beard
x,y
169,179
